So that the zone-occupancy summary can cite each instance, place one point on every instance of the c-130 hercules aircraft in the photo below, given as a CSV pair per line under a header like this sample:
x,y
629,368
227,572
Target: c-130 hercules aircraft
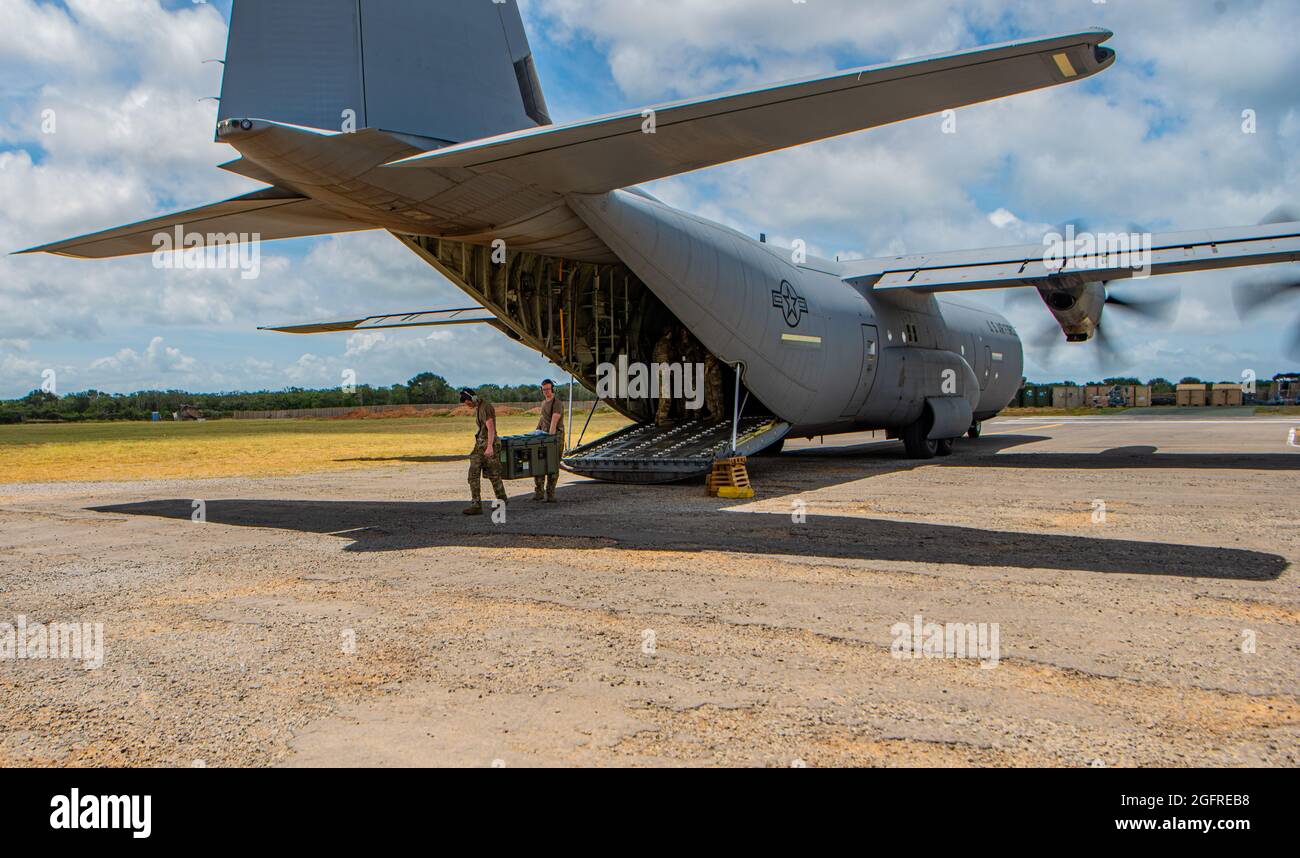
x,y
454,154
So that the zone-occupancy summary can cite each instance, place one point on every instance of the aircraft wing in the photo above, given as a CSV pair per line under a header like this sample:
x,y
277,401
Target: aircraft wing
x,y
271,213
1029,265
421,319
611,152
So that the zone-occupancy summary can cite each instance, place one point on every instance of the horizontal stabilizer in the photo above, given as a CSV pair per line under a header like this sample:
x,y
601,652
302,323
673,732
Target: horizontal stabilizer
x,y
267,215
1033,265
248,169
620,150
423,319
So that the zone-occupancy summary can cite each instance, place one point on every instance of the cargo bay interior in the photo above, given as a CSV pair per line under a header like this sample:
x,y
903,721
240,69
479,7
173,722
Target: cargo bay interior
x,y
580,314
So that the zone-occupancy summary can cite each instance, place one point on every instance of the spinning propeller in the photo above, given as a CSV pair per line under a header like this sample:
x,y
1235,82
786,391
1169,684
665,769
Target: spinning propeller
x,y
1048,338
1252,296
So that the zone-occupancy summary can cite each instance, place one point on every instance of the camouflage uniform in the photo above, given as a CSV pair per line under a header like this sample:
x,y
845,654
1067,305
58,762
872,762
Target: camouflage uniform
x,y
548,482
662,356
713,388
479,463
692,352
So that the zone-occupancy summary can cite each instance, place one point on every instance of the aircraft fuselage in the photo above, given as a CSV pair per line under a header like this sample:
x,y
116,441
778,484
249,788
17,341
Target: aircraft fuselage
x,y
821,354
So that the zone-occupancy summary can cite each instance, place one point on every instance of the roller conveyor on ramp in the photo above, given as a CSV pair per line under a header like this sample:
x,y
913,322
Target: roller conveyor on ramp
x,y
646,453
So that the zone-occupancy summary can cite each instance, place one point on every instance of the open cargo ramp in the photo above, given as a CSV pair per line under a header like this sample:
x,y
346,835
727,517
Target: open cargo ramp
x,y
646,453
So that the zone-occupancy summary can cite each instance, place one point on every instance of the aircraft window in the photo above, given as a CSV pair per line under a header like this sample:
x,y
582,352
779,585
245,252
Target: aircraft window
x,y
890,334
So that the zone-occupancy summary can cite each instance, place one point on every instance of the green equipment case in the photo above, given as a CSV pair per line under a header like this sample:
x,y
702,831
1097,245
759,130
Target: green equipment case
x,y
533,455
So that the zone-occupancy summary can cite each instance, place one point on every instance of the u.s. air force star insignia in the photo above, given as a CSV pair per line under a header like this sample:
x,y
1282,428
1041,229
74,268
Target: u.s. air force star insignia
x,y
790,304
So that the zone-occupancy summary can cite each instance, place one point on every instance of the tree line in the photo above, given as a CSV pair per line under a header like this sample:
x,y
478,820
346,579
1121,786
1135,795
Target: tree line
x,y
424,389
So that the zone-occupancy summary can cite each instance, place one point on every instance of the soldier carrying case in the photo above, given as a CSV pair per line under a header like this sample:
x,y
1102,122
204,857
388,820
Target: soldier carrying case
x,y
533,455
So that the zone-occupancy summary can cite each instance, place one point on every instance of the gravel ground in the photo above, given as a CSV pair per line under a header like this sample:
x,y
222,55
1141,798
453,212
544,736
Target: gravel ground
x,y
358,619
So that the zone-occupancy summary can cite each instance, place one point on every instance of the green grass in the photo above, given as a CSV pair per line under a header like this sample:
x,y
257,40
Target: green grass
x,y
226,448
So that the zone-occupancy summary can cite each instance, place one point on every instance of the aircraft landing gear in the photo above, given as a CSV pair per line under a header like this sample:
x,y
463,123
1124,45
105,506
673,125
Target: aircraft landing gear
x,y
975,429
916,442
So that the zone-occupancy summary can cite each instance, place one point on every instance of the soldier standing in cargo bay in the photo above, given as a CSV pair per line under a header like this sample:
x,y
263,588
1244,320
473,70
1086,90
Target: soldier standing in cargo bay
x,y
551,422
713,388
483,460
661,357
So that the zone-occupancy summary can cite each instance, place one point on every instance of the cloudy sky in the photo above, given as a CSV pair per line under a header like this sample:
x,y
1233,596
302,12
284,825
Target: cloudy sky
x,y
1156,142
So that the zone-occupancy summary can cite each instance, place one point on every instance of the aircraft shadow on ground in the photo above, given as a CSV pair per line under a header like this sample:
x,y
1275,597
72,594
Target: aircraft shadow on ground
x,y
598,515
591,517
806,469
991,453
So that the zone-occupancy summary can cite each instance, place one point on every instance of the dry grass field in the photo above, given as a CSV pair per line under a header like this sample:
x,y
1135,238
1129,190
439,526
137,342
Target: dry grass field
x,y
231,448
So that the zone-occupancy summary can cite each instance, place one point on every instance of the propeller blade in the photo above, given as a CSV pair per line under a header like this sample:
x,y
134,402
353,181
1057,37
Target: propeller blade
x,y
1250,296
1022,297
1282,214
1159,308
1046,342
1107,354
1080,226
1292,349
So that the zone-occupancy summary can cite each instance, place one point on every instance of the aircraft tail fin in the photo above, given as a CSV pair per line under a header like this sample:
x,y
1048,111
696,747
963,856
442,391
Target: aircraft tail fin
x,y
449,71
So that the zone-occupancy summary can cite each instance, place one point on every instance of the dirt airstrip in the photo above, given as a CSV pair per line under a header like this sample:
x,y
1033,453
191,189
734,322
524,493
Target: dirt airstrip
x,y
1140,573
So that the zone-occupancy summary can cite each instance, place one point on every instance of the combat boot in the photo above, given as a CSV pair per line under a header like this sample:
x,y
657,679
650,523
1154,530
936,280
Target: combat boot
x,y
550,496
474,509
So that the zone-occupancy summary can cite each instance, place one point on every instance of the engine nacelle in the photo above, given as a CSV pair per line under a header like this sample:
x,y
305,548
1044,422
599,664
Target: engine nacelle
x,y
1077,308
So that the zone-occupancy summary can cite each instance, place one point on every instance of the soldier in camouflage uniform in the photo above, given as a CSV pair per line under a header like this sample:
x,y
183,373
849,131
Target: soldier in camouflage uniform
x,y
550,421
662,356
483,461
692,356
713,388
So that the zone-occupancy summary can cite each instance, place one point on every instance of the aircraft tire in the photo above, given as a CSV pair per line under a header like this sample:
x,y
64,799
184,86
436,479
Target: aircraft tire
x,y
944,447
975,429
916,443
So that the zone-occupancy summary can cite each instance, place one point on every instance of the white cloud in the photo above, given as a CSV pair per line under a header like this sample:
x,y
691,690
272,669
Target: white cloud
x,y
156,358
20,372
